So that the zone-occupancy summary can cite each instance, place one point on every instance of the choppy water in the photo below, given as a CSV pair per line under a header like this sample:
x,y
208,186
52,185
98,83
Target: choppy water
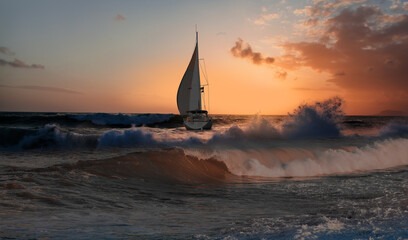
x,y
313,175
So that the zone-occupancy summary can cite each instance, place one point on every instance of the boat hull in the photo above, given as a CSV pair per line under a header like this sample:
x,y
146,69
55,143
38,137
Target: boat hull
x,y
198,125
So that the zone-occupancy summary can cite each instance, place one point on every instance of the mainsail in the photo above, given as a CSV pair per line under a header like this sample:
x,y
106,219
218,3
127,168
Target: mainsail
x,y
189,92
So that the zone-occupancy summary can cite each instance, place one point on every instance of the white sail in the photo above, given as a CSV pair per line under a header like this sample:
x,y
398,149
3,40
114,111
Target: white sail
x,y
189,92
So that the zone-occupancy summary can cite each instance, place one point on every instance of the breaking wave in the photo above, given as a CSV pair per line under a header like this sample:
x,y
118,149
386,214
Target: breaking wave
x,y
166,166
52,136
318,120
394,130
321,120
209,165
308,162
127,138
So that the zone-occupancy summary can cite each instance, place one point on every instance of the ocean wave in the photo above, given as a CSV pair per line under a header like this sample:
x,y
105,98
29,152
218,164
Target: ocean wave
x,y
205,165
122,119
90,119
127,138
318,120
52,136
394,130
308,162
11,136
165,166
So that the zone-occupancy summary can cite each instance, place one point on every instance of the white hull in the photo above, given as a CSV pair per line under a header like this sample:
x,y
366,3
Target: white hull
x,y
198,125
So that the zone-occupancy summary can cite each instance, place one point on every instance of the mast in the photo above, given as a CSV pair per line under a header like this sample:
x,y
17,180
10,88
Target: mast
x,y
197,76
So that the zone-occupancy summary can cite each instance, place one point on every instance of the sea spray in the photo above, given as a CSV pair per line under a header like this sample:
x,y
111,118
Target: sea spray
x,y
258,128
320,120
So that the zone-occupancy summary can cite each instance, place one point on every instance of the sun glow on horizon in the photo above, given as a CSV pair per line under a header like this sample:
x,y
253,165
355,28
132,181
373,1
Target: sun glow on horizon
x,y
261,57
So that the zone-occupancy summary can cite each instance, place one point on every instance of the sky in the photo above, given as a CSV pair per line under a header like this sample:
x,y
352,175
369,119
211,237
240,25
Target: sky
x,y
261,57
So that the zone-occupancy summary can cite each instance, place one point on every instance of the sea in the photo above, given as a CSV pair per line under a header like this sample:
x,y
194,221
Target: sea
x,y
312,174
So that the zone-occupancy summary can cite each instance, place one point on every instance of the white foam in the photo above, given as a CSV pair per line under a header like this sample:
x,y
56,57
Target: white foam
x,y
127,138
298,162
311,232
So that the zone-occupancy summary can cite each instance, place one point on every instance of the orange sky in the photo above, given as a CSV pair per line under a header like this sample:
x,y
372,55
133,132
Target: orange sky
x,y
261,57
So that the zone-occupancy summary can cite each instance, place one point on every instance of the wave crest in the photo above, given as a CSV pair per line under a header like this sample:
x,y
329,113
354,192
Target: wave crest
x,y
165,166
394,130
308,162
51,135
127,138
318,120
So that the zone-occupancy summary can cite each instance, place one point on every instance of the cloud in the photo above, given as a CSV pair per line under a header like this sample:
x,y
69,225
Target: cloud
x,y
264,18
363,47
246,52
339,74
313,89
119,18
281,74
325,8
20,64
354,42
6,51
398,6
42,88
221,33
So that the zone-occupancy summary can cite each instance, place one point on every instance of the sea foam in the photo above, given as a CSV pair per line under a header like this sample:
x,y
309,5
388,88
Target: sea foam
x,y
308,162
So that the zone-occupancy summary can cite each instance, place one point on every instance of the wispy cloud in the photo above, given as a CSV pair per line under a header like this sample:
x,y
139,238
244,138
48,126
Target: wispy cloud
x,y
16,63
246,52
281,74
265,18
42,88
20,64
6,51
119,18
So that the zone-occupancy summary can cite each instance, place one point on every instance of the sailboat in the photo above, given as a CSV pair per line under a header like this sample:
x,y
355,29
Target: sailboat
x,y
189,96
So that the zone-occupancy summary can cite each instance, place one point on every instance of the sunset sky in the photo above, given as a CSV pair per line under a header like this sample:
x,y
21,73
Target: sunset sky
x,y
262,57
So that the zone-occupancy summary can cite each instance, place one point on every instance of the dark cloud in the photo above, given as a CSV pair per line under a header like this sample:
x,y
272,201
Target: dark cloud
x,y
364,49
355,43
119,18
339,74
246,52
42,88
313,89
6,51
20,64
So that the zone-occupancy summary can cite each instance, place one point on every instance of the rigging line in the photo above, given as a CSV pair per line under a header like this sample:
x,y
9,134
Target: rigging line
x,y
208,84
204,71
